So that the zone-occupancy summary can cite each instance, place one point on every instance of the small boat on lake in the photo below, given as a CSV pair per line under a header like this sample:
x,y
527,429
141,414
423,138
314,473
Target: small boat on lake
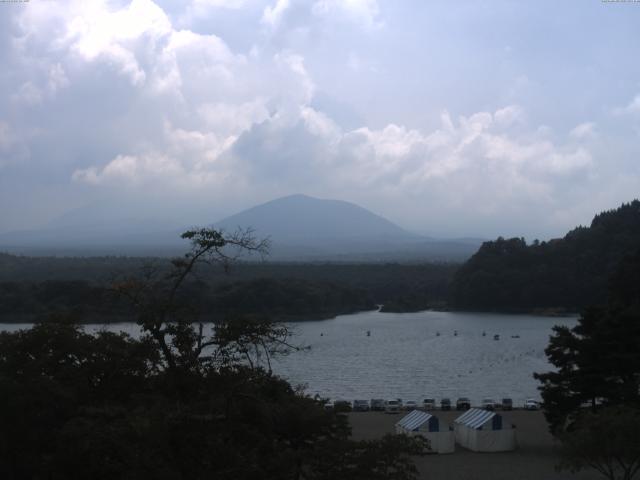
x,y
496,337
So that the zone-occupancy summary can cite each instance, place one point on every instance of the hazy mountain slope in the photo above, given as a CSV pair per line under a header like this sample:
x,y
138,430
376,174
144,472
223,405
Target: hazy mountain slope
x,y
304,228
299,217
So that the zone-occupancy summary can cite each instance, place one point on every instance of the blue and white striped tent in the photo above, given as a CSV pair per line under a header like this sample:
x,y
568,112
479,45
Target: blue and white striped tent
x,y
441,440
418,420
477,418
484,431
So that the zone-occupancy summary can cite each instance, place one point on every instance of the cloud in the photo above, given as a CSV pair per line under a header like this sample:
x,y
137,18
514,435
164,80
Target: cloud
x,y
6,137
584,130
29,94
633,107
131,169
232,4
57,78
509,115
12,148
305,14
272,15
363,12
126,98
112,34
229,130
34,93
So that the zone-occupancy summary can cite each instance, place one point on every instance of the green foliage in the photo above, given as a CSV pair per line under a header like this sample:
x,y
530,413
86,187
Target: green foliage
x,y
598,360
283,291
49,373
607,442
294,298
565,274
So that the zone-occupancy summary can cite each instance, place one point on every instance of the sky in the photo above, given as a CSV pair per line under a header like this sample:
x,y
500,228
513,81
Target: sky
x,y
466,118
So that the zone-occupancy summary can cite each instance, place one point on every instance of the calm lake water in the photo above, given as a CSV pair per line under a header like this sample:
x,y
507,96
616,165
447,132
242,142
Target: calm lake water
x,y
403,357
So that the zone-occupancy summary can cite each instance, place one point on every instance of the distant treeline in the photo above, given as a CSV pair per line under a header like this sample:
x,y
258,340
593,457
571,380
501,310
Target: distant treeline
x,y
38,288
292,299
565,274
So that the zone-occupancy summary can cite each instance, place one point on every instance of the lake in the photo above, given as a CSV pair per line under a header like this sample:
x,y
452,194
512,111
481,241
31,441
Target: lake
x,y
404,357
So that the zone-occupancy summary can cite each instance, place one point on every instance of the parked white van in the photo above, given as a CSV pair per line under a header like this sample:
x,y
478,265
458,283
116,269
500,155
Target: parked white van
x,y
392,406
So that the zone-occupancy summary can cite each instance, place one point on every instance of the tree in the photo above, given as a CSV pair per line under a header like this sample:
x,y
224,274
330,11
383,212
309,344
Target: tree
x,y
171,320
606,441
597,361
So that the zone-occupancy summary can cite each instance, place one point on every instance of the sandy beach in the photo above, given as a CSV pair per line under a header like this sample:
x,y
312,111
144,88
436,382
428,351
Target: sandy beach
x,y
534,458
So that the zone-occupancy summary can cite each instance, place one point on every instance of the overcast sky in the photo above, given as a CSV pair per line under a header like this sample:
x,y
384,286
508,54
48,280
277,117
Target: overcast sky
x,y
451,118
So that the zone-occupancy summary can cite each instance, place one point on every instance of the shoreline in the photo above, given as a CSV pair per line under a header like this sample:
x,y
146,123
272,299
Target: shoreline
x,y
32,319
534,459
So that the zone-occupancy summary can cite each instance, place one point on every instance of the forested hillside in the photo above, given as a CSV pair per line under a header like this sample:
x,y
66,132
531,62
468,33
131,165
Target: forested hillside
x,y
33,288
564,274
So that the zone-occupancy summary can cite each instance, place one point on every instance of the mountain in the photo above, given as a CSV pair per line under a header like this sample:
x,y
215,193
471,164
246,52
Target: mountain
x,y
304,228
301,228
304,218
562,274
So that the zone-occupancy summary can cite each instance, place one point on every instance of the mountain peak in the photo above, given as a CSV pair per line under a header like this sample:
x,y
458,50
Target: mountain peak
x,y
299,216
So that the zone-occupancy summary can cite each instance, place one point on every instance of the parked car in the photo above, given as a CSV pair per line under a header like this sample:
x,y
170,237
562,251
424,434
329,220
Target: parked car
x,y
377,405
429,403
342,406
589,403
488,404
463,403
410,405
361,406
531,404
445,404
392,406
329,406
507,404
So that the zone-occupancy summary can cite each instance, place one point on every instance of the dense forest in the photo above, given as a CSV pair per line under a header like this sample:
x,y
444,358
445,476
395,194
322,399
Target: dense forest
x,y
564,274
37,288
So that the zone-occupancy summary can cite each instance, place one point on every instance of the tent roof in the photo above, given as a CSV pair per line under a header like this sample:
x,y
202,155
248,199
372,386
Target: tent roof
x,y
475,418
414,420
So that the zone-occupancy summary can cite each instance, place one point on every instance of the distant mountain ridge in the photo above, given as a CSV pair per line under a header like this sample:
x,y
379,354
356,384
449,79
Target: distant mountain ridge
x,y
564,274
301,228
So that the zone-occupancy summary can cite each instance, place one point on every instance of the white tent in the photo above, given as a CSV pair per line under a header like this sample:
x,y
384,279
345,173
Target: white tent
x,y
484,431
441,440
